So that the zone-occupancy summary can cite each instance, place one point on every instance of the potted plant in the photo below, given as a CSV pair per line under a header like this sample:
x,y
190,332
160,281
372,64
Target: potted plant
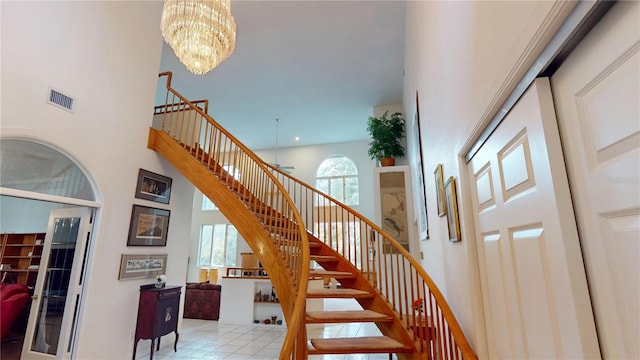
x,y
386,133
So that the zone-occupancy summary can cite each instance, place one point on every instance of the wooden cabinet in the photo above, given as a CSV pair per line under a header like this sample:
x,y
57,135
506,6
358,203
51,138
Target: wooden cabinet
x,y
20,256
157,315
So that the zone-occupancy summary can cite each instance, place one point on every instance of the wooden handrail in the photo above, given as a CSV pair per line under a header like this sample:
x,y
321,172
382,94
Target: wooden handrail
x,y
167,108
247,176
395,273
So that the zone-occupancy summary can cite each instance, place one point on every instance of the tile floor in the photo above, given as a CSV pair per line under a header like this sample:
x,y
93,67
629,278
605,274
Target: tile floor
x,y
206,339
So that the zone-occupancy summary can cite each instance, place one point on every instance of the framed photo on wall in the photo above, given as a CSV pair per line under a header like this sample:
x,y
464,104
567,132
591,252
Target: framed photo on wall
x,y
452,209
417,168
393,200
442,210
154,187
142,266
148,226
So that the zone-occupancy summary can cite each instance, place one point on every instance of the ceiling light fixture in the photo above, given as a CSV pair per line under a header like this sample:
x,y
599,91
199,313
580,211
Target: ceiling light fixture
x,y
201,33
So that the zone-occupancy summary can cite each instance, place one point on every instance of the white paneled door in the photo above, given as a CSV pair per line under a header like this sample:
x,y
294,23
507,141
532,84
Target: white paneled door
x,y
534,287
597,95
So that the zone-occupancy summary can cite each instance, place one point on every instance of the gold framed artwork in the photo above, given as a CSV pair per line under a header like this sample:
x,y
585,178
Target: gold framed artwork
x,y
442,210
142,266
452,209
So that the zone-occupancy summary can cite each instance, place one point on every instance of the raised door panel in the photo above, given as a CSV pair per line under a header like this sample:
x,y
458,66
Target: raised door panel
x,y
596,92
534,291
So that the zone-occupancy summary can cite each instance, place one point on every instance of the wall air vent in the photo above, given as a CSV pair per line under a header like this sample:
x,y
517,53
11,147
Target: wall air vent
x,y
59,99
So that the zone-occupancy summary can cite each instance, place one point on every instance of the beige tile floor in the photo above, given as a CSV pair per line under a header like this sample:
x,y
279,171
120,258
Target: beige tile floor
x,y
206,339
210,340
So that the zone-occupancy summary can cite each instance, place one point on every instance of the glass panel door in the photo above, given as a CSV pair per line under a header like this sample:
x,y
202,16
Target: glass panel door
x,y
57,290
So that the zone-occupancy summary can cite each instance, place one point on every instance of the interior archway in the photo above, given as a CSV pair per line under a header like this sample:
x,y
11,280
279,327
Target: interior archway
x,y
35,179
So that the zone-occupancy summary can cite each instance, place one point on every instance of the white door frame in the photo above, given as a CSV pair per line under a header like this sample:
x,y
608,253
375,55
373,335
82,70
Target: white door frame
x,y
74,288
95,206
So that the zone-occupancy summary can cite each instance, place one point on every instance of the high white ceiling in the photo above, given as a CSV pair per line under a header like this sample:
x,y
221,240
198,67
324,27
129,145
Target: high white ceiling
x,y
319,66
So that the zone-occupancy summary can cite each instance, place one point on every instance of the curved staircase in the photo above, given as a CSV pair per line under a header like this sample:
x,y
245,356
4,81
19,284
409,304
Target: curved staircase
x,y
298,233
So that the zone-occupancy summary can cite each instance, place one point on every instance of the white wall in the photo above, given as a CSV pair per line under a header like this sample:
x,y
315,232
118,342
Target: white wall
x,y
460,57
107,56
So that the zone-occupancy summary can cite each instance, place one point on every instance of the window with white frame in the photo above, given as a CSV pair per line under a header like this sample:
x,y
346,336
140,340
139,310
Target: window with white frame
x,y
218,245
208,205
337,177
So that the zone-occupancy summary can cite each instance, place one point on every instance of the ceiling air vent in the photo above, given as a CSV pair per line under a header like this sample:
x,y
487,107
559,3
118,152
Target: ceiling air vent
x,y
59,99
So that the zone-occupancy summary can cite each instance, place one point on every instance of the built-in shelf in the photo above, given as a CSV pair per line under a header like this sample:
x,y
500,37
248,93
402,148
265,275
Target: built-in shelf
x,y
20,257
238,304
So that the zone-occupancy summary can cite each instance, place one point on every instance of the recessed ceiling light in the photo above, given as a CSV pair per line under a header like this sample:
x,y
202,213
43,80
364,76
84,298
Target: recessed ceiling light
x,y
297,138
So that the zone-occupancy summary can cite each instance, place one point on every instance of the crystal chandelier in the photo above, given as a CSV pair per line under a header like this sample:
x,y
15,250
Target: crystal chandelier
x,y
201,33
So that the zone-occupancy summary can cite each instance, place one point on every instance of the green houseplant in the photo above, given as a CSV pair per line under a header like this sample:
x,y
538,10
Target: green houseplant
x,y
386,133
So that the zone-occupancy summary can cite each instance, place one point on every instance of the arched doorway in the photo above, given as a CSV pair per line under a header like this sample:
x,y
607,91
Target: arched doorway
x,y
43,191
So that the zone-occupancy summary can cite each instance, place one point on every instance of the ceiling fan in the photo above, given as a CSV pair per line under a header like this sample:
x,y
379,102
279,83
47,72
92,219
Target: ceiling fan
x,y
286,169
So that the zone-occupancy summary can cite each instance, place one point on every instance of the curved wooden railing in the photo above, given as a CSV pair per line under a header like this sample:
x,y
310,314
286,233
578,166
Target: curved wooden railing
x,y
246,174
388,266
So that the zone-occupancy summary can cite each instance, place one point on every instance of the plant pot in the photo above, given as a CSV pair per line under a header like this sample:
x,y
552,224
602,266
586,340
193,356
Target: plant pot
x,y
388,161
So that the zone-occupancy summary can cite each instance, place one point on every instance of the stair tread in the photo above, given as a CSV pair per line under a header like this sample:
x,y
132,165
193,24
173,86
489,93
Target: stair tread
x,y
277,239
347,316
327,273
338,293
354,345
323,258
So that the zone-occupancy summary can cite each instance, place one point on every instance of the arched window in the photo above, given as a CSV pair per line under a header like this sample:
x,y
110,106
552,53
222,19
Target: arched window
x,y
337,177
30,166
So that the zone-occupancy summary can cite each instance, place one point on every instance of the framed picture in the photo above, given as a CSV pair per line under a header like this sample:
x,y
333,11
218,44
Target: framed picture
x,y
442,210
142,266
154,187
416,160
148,226
393,200
452,209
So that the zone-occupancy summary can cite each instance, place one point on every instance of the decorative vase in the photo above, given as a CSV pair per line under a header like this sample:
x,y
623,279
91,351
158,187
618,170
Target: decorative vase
x,y
160,281
387,161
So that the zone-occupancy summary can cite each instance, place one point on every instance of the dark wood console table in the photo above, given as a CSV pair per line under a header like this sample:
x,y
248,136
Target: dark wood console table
x,y
157,315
